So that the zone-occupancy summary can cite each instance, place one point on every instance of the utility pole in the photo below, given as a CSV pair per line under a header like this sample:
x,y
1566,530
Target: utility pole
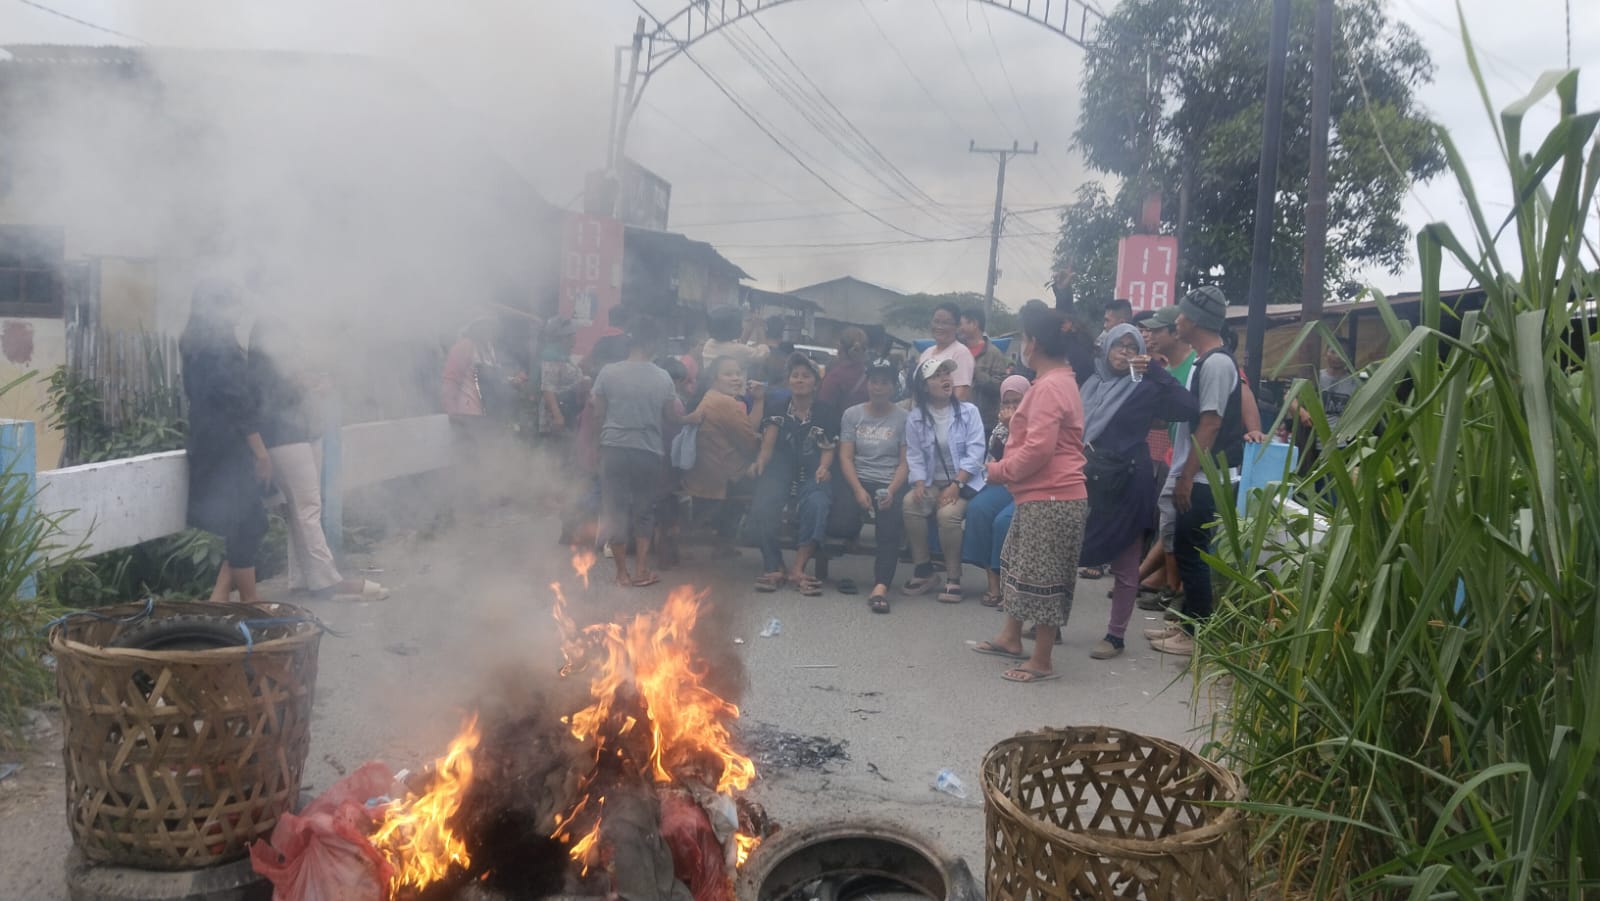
x,y
1314,286
1266,188
1004,155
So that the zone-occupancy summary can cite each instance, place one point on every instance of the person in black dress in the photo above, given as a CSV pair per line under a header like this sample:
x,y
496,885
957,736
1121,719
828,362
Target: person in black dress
x,y
228,462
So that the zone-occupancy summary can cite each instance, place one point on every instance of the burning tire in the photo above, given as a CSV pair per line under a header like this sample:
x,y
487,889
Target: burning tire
x,y
848,861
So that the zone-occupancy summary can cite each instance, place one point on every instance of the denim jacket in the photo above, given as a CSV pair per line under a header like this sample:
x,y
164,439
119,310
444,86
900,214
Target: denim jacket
x,y
967,448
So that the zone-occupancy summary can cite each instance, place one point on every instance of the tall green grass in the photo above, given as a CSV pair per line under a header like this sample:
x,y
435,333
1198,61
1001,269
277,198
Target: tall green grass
x,y
1413,695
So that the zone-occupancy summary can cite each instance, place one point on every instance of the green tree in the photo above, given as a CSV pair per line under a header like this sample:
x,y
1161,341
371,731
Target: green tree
x,y
1174,97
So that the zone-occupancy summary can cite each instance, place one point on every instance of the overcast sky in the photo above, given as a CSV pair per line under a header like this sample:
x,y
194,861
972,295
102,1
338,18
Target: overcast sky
x,y
919,79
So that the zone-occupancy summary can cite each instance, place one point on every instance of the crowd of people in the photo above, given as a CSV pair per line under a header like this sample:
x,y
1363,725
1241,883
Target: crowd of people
x,y
1076,455
1071,457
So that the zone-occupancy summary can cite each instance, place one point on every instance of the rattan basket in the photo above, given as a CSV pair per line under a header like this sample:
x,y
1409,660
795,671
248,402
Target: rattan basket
x,y
180,759
1097,812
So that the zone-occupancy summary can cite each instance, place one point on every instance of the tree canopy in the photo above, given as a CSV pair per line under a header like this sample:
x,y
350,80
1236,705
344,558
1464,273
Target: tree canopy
x,y
1175,95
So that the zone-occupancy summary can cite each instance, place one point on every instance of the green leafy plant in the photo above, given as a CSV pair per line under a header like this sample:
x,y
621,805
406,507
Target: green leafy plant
x,y
1413,692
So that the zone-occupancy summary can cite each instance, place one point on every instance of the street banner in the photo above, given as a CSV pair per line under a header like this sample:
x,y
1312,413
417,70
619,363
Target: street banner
x,y
591,275
1147,270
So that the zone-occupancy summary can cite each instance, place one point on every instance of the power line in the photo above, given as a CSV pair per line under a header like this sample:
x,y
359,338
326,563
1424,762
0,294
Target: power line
x,y
1012,89
718,151
886,242
932,98
789,90
739,105
967,64
84,22
867,142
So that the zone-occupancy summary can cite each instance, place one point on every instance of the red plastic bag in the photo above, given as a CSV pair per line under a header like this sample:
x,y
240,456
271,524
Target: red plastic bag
x,y
322,854
698,859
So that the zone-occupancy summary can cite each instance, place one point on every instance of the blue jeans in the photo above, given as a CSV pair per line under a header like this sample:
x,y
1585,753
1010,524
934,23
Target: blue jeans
x,y
1191,539
811,504
988,519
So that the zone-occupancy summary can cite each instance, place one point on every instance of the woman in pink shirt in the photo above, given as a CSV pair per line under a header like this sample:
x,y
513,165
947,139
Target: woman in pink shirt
x,y
1043,468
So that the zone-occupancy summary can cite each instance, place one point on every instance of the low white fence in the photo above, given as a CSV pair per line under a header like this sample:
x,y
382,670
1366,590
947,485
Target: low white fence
x,y
121,503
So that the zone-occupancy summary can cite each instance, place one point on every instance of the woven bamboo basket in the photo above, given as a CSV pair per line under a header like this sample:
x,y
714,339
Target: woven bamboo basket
x,y
1097,812
179,759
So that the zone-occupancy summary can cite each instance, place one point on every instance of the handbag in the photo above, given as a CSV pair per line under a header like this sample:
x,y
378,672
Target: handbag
x,y
967,491
684,447
1106,474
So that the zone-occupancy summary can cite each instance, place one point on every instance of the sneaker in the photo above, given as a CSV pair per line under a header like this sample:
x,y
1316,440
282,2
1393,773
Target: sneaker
x,y
1179,645
1105,650
1163,632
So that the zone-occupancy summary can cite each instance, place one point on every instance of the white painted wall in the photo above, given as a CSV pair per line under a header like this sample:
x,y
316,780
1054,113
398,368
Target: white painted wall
x,y
120,503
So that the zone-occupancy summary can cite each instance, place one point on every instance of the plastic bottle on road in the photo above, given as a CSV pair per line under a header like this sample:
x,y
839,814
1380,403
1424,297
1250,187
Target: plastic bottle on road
x,y
774,627
949,783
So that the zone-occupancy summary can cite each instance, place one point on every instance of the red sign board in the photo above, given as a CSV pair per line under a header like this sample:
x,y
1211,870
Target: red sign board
x,y
1147,270
591,275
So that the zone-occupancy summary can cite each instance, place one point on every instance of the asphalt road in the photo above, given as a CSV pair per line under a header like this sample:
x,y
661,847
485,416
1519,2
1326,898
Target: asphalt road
x,y
470,617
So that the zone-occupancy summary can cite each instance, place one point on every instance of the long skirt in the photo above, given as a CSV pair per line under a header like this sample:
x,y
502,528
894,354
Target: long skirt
x,y
1039,563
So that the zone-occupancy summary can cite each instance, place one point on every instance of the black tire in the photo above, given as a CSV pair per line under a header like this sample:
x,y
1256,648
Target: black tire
x,y
184,632
853,860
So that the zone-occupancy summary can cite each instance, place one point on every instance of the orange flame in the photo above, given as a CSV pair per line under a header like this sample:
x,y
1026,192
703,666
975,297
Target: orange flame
x,y
746,843
651,666
416,832
582,562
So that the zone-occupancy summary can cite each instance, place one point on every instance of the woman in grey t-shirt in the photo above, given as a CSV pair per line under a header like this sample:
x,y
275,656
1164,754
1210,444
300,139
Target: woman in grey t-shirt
x,y
872,463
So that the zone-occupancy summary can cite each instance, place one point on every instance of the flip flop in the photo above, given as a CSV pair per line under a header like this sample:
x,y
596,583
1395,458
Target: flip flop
x,y
370,591
847,586
1091,572
769,584
1025,676
878,603
990,649
808,587
992,600
647,581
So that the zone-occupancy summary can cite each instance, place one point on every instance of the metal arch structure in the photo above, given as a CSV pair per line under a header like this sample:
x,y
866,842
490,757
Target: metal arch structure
x,y
654,47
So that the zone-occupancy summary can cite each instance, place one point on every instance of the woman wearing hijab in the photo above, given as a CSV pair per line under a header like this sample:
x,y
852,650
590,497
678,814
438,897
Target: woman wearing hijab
x,y
228,462
1125,394
989,515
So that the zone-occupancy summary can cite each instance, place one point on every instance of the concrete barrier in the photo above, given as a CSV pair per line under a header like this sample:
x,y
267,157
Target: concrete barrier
x,y
121,503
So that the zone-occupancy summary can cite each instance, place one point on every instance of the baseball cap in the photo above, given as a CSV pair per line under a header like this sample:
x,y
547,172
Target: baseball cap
x,y
1166,317
932,366
1206,306
883,369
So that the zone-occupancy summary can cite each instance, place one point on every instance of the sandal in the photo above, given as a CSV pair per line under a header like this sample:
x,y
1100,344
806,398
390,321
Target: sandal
x,y
992,600
1028,676
769,583
951,593
847,586
1091,572
646,580
808,586
878,603
917,585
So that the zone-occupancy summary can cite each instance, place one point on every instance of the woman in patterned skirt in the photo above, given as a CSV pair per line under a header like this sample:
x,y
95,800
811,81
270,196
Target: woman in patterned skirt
x,y
1043,469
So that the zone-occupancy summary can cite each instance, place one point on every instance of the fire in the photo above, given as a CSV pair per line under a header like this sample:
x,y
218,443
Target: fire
x,y
416,833
653,659
582,562
746,843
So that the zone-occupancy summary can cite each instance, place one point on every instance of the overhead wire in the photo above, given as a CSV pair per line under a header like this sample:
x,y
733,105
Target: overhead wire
x,y
904,64
845,120
1017,101
788,151
967,64
657,111
784,85
84,22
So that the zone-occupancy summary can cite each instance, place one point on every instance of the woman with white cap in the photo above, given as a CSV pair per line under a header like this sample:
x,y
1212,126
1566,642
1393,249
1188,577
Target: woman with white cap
x,y
944,455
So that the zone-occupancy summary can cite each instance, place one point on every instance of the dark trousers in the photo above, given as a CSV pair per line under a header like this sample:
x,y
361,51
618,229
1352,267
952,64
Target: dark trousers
x,y
1192,539
631,482
846,518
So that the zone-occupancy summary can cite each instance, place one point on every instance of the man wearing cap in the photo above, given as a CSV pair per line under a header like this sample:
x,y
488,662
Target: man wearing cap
x,y
1219,430
1179,357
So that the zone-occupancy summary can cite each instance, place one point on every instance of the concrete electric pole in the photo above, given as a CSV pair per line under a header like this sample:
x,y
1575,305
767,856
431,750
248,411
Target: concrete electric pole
x,y
1004,155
